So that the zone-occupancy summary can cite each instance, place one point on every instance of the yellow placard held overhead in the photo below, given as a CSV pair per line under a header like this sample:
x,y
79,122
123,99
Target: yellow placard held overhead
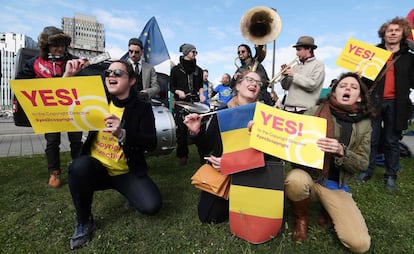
x,y
63,104
363,57
288,136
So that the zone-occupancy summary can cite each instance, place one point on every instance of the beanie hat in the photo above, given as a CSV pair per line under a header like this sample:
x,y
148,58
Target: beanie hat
x,y
186,48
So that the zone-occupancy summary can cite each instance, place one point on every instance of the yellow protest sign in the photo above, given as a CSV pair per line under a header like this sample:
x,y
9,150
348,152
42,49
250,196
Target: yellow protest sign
x,y
363,57
63,104
412,33
288,136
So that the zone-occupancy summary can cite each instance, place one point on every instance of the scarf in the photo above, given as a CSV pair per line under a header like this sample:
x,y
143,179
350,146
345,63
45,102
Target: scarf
x,y
189,66
121,103
348,113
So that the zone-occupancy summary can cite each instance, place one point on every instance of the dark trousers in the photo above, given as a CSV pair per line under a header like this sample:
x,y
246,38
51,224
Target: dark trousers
x,y
184,140
181,135
87,175
384,124
212,209
53,151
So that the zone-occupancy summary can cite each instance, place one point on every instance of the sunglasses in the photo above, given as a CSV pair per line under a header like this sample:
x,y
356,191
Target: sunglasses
x,y
241,52
194,52
117,73
134,51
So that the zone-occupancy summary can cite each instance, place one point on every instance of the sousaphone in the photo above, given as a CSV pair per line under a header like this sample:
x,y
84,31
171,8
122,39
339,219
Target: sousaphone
x,y
260,25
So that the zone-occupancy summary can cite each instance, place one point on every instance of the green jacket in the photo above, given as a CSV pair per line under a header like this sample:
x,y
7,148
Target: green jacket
x,y
356,156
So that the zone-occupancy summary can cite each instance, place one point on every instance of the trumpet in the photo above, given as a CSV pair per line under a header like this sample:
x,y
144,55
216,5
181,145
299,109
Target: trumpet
x,y
279,76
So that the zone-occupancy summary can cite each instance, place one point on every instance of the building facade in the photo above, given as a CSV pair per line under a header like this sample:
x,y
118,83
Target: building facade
x,y
88,40
88,36
10,43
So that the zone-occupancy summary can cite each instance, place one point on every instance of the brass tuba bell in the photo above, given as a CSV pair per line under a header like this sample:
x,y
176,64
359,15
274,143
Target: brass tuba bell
x,y
260,25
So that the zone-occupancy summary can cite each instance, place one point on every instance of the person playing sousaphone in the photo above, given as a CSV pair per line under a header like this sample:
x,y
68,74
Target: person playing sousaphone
x,y
248,63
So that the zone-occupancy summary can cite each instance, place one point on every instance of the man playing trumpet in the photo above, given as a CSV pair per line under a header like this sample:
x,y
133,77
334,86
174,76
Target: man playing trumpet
x,y
303,81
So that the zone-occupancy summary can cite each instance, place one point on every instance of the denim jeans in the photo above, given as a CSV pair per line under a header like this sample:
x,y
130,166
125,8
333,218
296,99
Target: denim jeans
x,y
383,128
87,175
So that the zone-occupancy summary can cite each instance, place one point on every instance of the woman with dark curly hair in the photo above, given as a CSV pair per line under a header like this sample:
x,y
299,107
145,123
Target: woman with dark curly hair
x,y
347,146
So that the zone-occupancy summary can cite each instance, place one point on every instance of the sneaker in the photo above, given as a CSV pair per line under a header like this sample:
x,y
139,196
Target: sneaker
x,y
390,185
82,235
363,177
54,180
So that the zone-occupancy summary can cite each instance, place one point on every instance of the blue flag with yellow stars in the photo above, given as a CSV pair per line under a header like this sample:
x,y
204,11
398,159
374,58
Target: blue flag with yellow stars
x,y
155,50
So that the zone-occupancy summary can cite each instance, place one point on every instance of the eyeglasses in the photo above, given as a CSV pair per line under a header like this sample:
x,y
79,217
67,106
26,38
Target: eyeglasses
x,y
194,52
134,51
251,80
241,52
117,73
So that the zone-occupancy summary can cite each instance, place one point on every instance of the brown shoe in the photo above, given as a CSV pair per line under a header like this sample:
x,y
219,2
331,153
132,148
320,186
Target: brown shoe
x,y
54,180
301,212
324,220
182,161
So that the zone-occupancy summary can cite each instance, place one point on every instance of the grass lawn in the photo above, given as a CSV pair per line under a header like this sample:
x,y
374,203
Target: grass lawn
x,y
37,219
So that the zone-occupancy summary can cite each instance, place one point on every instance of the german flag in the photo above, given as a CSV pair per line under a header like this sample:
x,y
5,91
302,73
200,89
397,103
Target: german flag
x,y
237,154
256,202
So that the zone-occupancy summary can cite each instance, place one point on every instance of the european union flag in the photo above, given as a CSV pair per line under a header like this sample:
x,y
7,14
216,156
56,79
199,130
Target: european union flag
x,y
155,50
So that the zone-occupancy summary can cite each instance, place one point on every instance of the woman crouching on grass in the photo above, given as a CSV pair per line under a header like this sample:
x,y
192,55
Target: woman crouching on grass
x,y
114,157
347,148
211,208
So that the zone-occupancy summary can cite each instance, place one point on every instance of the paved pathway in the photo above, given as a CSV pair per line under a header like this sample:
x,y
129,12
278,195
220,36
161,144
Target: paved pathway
x,y
21,141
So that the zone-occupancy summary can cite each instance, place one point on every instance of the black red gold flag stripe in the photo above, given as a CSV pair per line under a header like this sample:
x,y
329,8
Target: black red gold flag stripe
x,y
256,202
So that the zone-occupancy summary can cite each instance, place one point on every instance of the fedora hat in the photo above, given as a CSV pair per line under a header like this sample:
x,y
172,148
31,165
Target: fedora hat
x,y
305,41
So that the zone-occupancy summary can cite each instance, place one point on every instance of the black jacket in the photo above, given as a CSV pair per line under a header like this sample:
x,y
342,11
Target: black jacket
x,y
141,136
404,80
183,73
